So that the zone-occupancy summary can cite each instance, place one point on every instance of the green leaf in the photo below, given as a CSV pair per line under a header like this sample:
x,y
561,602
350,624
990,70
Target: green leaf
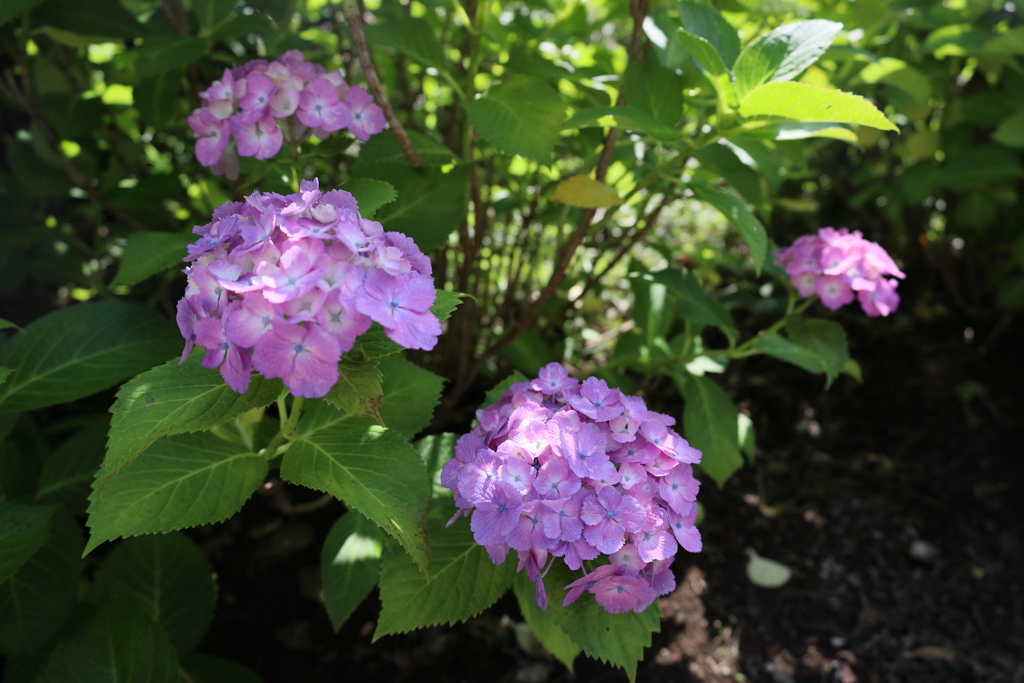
x,y
412,37
463,580
899,74
68,470
733,208
4,372
692,301
121,643
358,391
174,399
630,118
710,421
826,339
179,481
803,131
39,597
371,469
429,205
203,668
955,40
8,325
370,194
212,12
1007,44
784,53
656,90
410,396
707,23
23,530
702,52
499,389
779,347
528,352
375,343
618,639
723,160
384,152
978,167
436,450
79,350
543,624
162,53
805,102
1011,131
521,116
586,193
148,253
169,579
99,18
446,304
350,564
12,9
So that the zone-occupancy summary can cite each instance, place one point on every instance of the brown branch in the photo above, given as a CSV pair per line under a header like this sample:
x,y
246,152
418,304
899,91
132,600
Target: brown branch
x,y
176,14
353,16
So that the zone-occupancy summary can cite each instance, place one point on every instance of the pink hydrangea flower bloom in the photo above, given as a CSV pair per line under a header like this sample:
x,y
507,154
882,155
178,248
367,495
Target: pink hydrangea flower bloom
x,y
366,117
840,266
285,302
540,454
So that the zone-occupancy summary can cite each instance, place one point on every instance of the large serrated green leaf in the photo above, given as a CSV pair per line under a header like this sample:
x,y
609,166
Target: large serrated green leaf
x,y
750,228
120,644
445,304
148,253
522,116
779,347
350,564
826,339
805,102
37,599
656,90
157,98
702,52
68,470
372,469
630,118
79,350
691,299
710,25
784,53
370,194
410,395
96,18
430,202
13,8
542,622
162,53
463,580
169,579
174,399
710,423
436,450
412,37
358,391
499,389
618,639
23,530
384,151
180,481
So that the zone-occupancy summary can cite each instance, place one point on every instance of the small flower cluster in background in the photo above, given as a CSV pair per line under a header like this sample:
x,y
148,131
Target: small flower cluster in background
x,y
294,280
262,104
560,469
839,266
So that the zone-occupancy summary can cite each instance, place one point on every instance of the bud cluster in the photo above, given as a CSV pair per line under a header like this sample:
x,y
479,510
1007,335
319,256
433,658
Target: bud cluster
x,y
262,104
838,266
284,284
557,468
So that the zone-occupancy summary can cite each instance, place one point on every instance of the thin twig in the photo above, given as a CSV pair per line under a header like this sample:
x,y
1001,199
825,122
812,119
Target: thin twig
x,y
176,14
353,16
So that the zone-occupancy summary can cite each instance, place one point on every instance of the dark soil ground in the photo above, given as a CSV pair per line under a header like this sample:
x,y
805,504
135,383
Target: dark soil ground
x,y
898,504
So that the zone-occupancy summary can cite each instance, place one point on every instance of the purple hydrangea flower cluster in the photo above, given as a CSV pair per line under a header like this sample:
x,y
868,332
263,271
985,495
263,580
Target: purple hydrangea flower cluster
x,y
839,265
262,104
284,284
557,468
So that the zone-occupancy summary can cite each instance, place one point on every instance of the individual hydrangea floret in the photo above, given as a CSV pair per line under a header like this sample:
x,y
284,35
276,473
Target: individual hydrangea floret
x,y
283,285
839,266
559,469
254,109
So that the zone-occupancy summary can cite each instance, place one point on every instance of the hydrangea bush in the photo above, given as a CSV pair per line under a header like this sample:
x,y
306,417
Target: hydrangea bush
x,y
558,207
579,472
